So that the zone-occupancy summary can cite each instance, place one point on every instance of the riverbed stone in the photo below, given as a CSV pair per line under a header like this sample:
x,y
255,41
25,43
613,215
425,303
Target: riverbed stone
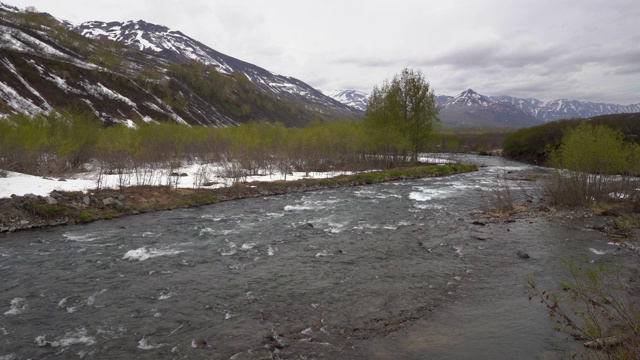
x,y
86,200
55,195
522,255
108,201
50,200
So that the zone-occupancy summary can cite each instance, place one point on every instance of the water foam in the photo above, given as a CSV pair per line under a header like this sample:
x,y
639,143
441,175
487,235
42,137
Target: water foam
x,y
335,228
144,344
458,250
18,306
597,252
324,253
150,234
298,208
271,250
248,246
70,338
231,249
143,253
92,298
81,238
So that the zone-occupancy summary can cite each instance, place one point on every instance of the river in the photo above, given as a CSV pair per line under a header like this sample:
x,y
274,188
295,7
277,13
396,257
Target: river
x,y
400,270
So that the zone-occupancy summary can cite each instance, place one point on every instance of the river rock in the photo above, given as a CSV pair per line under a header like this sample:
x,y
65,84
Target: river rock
x,y
55,195
108,201
199,343
50,200
522,254
86,200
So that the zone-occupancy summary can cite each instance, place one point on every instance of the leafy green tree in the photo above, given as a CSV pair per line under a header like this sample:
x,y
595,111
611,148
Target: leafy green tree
x,y
402,114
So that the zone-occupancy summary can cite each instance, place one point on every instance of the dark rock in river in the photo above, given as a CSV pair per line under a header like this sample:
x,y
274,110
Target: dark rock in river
x,y
55,195
522,254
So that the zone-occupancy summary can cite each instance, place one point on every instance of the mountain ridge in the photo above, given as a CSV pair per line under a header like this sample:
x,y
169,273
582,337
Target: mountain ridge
x,y
543,111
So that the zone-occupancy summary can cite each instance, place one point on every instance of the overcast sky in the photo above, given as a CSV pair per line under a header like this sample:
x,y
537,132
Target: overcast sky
x,y
545,49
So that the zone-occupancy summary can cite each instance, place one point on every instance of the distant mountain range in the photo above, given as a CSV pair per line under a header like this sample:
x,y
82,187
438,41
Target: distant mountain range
x,y
471,109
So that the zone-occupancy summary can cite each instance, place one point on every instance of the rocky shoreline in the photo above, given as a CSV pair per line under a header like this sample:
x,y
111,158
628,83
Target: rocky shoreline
x,y
74,207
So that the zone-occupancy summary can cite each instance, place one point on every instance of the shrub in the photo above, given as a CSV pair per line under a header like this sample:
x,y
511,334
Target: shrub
x,y
595,164
596,307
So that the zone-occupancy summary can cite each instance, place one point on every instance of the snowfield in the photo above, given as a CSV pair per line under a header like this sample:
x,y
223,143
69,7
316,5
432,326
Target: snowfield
x,y
208,176
192,177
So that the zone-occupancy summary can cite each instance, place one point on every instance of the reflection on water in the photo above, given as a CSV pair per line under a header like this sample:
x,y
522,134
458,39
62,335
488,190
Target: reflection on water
x,y
395,270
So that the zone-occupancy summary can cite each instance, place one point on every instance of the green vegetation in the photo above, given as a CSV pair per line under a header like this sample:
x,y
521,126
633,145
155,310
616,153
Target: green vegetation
x,y
45,144
595,308
534,144
477,141
408,173
85,217
200,199
401,116
61,142
597,164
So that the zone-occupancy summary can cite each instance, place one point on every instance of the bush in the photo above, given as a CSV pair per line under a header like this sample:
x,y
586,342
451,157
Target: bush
x,y
597,308
595,165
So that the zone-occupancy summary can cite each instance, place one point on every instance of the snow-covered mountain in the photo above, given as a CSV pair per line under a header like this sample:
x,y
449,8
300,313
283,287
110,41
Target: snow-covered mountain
x,y
542,111
469,98
148,73
470,109
175,46
566,109
354,98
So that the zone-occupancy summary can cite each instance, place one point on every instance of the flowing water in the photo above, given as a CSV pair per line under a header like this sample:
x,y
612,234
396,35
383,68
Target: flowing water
x,y
390,271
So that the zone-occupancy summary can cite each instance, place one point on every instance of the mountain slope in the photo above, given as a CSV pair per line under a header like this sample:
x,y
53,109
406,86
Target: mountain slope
x,y
46,66
174,46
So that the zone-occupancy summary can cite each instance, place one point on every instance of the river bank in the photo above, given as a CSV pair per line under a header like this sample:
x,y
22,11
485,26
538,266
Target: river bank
x,y
73,207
